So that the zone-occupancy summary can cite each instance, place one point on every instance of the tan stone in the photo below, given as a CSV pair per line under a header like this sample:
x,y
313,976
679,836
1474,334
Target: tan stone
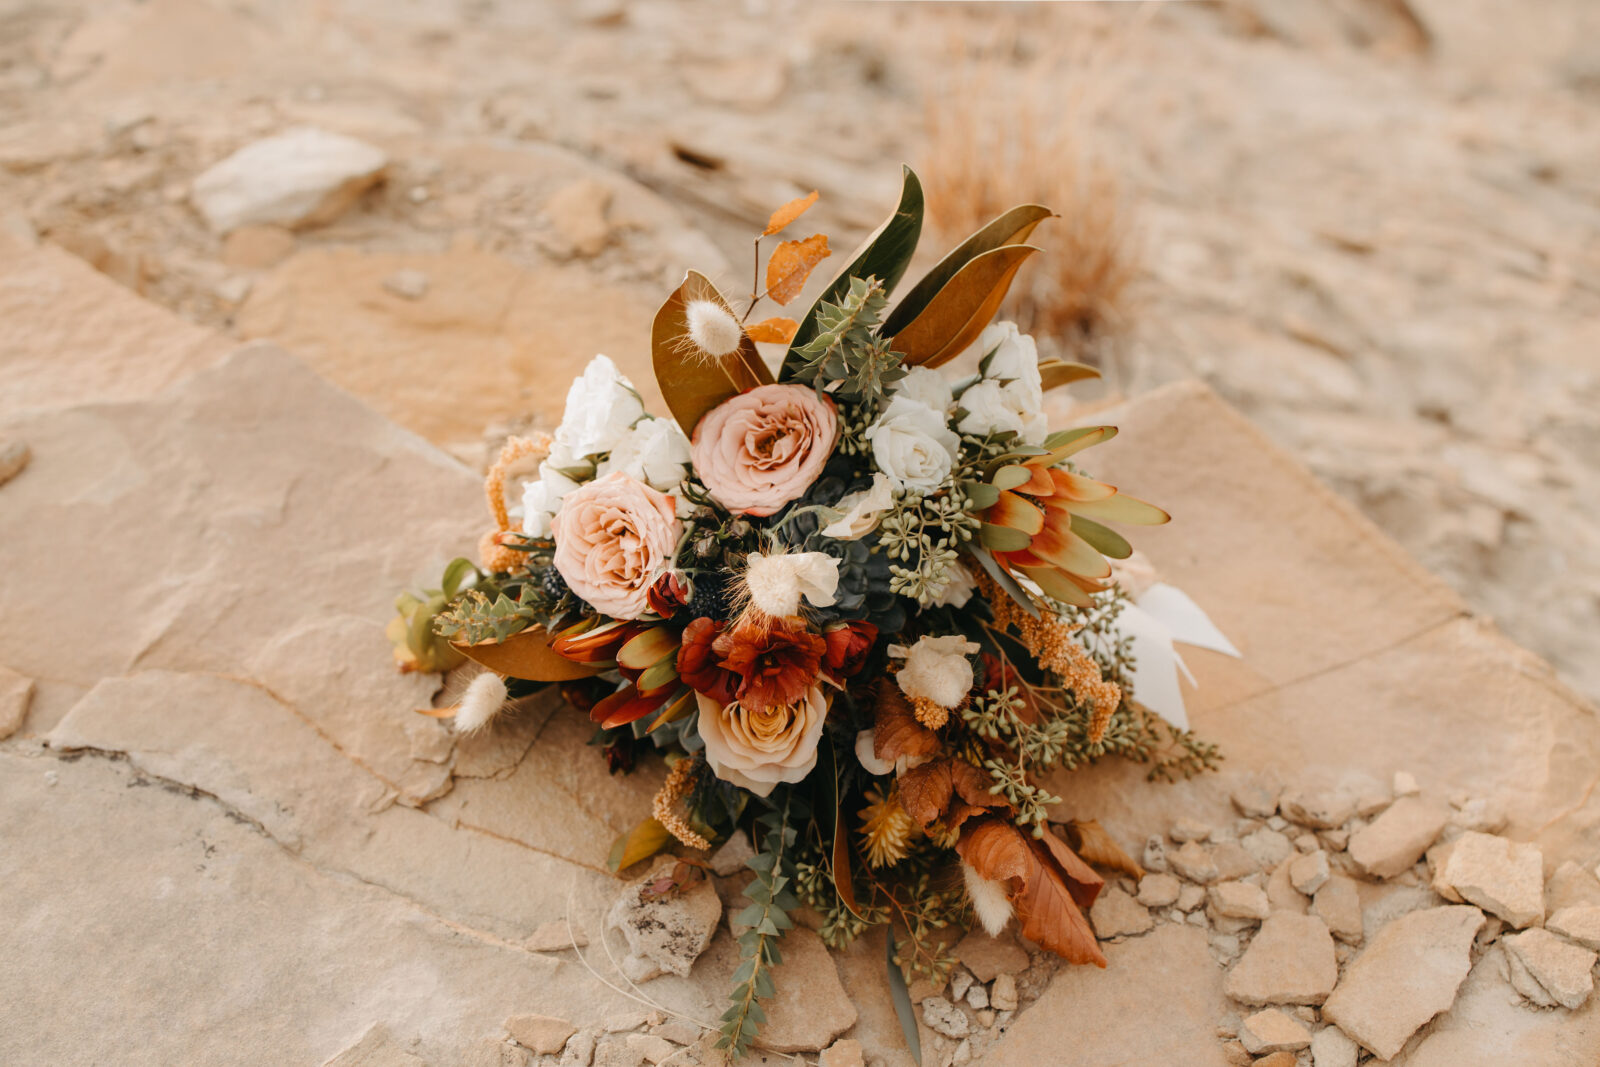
x,y
1501,876
665,932
845,1052
1158,890
1282,894
1570,886
987,957
555,937
578,214
1277,1059
1316,807
1233,861
14,457
1239,900
377,1048
1558,972
1268,847
1003,993
1408,974
16,693
1193,861
257,247
301,177
541,1033
1338,904
1290,961
1397,839
1273,1031
1331,1048
1580,923
1116,914
1309,872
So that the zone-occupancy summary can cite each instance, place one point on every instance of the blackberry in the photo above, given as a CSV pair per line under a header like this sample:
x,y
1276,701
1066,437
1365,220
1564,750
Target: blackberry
x,y
555,587
710,597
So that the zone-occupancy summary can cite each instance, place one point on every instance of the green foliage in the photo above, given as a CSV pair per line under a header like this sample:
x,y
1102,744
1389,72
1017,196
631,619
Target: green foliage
x,y
493,615
847,351
764,921
924,535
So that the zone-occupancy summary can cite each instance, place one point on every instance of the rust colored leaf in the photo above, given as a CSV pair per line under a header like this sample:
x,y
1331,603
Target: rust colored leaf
x,y
958,313
896,729
995,849
925,791
843,881
776,331
792,263
1050,912
1090,841
789,212
1081,879
972,786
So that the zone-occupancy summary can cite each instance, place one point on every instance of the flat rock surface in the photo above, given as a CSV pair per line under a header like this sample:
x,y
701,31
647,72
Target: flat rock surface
x,y
1407,975
1291,961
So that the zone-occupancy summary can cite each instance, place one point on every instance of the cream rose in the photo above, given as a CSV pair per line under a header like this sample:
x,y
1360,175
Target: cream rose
x,y
763,448
926,386
757,750
542,499
913,445
614,537
936,669
654,451
1010,398
601,405
862,509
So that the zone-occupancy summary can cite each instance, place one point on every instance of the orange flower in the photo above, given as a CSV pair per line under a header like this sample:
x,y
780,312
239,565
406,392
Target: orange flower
x,y
699,666
848,646
776,663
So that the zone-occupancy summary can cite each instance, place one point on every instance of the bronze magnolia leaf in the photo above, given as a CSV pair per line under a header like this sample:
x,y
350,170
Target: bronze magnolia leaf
x,y
527,655
1050,913
791,263
958,313
1012,228
995,849
640,843
1057,372
776,331
1091,842
692,381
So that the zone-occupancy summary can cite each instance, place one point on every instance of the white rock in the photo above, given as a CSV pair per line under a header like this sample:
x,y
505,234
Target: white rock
x,y
1405,784
1189,830
1003,994
1320,809
1239,900
1193,861
945,1018
1309,873
666,932
1158,890
1331,1048
1273,1031
960,981
1580,923
302,177
1397,839
1562,971
1155,854
978,996
1407,975
1483,814
1503,877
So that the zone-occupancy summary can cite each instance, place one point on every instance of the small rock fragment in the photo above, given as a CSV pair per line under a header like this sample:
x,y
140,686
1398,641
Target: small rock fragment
x,y
1569,886
1309,873
1267,846
541,1033
616,1052
303,177
730,857
1273,1031
651,1048
986,1017
845,1052
1155,854
666,930
1336,839
1319,809
1193,861
1580,923
1405,784
1158,890
988,957
945,1018
960,981
1278,822
407,284
1397,839
1306,842
1116,914
1185,830
1191,897
678,1031
1503,877
1407,975
1564,972
978,996
1291,961
1370,804
1331,1048
1282,893
1239,900
1339,905
1482,814
1277,1059
580,1049
14,456
1256,800
1003,994
1233,861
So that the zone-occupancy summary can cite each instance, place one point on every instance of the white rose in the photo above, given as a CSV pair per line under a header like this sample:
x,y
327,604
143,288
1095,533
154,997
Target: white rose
x,y
988,410
936,669
958,588
913,445
542,499
653,451
926,386
777,582
601,406
1011,356
861,510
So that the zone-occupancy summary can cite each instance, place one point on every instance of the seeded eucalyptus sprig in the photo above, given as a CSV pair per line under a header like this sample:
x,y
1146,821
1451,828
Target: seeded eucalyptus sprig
x,y
846,353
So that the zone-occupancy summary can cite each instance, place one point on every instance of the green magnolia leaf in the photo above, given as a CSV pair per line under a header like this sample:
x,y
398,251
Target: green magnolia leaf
x,y
900,996
1013,227
455,575
885,255
957,315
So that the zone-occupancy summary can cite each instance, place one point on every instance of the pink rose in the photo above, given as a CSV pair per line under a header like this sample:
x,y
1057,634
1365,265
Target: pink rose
x,y
764,447
614,537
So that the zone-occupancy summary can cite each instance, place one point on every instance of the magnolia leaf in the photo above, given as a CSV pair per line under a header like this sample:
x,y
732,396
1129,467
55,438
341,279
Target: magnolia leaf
x,y
791,264
692,381
1014,227
843,880
789,212
884,255
527,654
1091,842
896,731
900,995
1105,541
1057,372
775,331
958,313
640,843
996,849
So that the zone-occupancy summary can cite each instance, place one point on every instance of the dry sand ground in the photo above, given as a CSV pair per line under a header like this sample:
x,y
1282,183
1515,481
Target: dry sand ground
x,y
1387,258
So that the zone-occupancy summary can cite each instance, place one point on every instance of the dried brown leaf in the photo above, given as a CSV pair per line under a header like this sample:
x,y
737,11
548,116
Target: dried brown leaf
x,y
1050,913
789,212
1081,879
1090,841
792,263
995,849
925,791
897,732
776,331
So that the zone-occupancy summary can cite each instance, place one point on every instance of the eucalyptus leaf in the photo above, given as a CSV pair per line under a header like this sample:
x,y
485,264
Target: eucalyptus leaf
x,y
900,995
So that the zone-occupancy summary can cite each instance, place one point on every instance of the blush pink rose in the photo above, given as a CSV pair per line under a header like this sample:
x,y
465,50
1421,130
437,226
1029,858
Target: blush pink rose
x,y
763,448
614,537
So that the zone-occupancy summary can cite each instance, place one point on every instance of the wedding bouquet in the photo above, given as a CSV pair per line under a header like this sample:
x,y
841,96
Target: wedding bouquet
x,y
860,606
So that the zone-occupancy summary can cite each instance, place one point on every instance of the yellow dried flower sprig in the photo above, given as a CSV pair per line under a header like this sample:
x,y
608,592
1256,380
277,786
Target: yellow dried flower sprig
x,y
674,789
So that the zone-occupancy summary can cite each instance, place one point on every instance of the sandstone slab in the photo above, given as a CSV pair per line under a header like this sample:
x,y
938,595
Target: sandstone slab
x,y
1239,900
1291,961
988,957
301,177
541,1033
1397,839
1548,970
666,928
1501,876
1273,1031
1331,1048
1309,872
1579,923
1407,975
1193,861
1338,904
16,693
1116,914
